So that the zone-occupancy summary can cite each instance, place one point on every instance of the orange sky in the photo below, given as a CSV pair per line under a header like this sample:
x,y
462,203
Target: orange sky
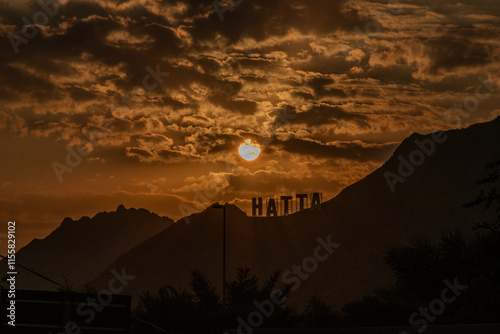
x,y
153,98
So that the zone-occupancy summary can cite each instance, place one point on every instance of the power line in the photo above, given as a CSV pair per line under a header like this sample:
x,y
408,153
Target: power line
x,y
40,275
69,290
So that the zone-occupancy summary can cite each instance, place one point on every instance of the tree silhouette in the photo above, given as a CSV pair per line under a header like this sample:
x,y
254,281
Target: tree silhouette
x,y
318,314
200,310
420,268
416,266
170,308
206,295
244,291
489,198
383,307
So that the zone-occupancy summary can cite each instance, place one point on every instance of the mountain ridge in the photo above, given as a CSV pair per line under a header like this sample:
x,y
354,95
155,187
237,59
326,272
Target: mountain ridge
x,y
77,250
366,218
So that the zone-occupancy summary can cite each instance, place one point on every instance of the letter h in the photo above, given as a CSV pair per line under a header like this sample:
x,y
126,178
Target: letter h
x,y
256,206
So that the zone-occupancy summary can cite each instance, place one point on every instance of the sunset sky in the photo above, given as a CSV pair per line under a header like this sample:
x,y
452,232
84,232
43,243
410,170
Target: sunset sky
x,y
167,91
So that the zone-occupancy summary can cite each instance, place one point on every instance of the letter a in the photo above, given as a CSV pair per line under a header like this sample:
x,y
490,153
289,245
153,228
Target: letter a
x,y
16,40
392,179
60,169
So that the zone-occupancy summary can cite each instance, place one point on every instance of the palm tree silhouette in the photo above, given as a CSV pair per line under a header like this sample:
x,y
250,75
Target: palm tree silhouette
x,y
200,309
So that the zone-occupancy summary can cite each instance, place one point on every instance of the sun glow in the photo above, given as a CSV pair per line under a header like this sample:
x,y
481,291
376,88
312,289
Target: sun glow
x,y
249,150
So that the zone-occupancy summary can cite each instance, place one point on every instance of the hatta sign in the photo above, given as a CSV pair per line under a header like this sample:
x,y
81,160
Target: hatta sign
x,y
285,205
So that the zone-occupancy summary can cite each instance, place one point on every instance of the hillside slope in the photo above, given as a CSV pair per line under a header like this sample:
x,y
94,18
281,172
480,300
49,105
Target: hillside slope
x,y
77,251
366,218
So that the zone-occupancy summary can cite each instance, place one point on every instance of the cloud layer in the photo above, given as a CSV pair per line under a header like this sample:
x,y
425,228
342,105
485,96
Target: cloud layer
x,y
327,87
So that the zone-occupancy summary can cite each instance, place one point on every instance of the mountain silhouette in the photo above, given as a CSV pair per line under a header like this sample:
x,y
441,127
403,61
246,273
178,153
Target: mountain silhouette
x,y
77,251
366,218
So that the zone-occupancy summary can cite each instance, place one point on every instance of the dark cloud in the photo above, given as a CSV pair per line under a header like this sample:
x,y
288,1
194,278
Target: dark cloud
x,y
304,95
168,156
322,87
393,74
138,152
448,52
156,139
18,82
254,78
212,142
348,95
261,19
208,64
345,150
334,64
321,114
450,8
79,94
242,106
173,103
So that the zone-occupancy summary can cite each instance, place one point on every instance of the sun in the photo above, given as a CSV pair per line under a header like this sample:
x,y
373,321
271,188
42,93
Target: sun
x,y
249,150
